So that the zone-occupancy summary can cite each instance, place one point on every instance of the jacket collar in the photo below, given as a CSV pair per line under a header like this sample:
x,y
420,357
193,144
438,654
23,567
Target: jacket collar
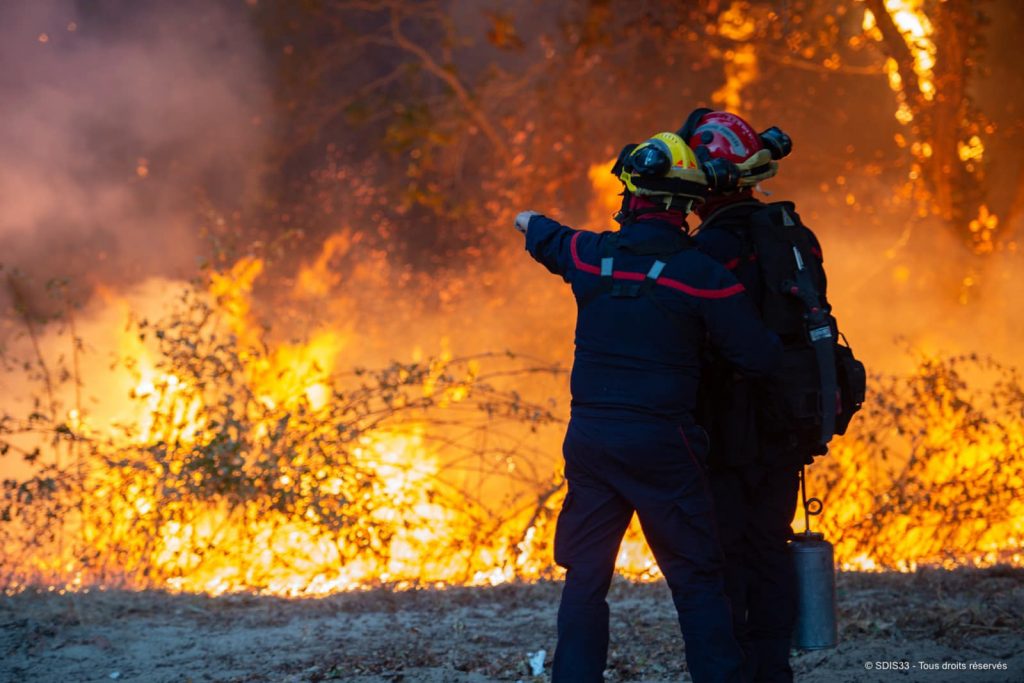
x,y
656,236
742,208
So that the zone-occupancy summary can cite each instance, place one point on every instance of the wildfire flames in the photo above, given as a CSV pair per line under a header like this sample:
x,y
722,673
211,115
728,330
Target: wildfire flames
x,y
917,31
230,457
243,465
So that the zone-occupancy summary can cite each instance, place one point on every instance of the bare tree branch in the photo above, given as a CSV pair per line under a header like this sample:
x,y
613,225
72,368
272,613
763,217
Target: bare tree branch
x,y
450,79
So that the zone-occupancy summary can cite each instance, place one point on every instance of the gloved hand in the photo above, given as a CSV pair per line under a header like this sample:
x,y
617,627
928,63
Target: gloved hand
x,y
523,220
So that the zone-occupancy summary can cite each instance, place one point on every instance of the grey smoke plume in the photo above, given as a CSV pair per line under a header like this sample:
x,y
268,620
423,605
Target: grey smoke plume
x,y
117,119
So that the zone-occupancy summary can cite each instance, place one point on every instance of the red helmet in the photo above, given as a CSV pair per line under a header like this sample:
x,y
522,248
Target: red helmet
x,y
723,135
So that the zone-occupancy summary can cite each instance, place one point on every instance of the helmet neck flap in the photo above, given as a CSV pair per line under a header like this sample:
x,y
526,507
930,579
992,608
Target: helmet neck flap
x,y
636,208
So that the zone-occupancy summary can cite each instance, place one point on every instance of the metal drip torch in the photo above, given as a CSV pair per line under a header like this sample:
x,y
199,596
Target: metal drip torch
x,y
814,560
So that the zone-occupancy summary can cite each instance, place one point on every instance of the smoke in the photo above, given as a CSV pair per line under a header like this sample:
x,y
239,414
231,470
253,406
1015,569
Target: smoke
x,y
117,121
903,287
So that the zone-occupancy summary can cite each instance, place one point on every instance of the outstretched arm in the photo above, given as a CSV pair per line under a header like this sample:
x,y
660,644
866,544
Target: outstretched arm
x,y
548,241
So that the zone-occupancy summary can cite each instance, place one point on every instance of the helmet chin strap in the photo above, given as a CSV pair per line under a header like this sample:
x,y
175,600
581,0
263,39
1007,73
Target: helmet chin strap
x,y
672,204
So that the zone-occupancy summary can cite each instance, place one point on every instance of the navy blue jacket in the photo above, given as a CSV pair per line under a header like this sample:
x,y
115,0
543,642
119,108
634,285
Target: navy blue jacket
x,y
641,356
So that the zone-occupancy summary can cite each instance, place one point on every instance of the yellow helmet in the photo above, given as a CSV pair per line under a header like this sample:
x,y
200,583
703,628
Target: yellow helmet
x,y
662,166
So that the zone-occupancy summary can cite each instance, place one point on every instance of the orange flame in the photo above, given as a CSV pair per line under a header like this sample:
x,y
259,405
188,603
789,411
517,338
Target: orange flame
x,y
384,502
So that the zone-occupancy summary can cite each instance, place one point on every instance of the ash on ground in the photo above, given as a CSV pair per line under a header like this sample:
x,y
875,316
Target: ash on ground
x,y
476,635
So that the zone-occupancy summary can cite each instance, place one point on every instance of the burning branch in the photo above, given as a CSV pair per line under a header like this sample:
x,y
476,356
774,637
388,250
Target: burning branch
x,y
897,48
931,64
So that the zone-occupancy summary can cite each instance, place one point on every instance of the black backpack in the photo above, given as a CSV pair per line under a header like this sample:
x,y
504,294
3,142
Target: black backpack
x,y
820,385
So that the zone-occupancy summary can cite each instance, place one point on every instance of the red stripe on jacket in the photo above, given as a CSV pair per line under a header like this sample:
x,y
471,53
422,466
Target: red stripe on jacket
x,y
663,281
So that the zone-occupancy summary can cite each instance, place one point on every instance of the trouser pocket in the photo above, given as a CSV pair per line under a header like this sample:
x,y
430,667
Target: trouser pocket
x,y
563,531
588,533
684,536
696,531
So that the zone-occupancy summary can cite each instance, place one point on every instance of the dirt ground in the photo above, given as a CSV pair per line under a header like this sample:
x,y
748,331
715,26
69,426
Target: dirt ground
x,y
474,635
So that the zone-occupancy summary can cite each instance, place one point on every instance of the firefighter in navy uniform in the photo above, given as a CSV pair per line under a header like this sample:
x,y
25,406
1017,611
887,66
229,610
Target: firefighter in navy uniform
x,y
756,459
647,303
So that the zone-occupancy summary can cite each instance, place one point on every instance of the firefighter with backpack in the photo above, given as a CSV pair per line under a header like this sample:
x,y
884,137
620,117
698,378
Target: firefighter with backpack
x,y
763,432
647,303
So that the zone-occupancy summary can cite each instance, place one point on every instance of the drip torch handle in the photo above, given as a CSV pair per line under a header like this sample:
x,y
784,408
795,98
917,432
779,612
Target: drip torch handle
x,y
812,506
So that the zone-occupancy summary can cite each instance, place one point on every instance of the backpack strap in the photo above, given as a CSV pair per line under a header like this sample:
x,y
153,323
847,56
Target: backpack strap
x,y
819,329
822,338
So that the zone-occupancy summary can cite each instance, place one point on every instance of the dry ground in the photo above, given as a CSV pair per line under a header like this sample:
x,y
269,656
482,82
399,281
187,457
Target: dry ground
x,y
478,635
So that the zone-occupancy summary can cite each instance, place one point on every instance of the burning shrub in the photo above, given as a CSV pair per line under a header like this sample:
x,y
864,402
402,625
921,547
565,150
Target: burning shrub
x,y
932,470
249,464
244,468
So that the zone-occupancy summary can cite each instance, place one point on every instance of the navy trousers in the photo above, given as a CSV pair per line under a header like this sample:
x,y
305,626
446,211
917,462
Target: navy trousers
x,y
755,506
655,468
